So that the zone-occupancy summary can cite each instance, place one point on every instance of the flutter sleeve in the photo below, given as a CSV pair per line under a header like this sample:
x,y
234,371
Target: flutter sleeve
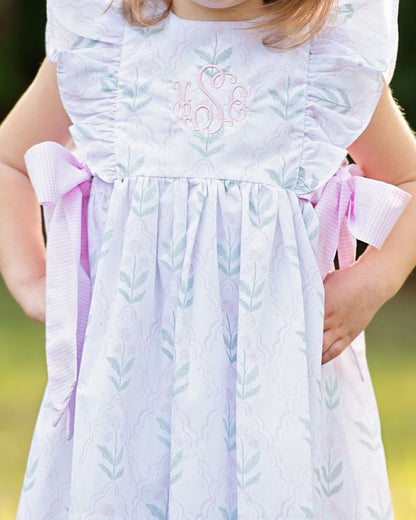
x,y
70,23
84,38
349,60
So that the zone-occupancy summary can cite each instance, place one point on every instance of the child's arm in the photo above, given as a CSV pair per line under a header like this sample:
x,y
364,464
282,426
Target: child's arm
x,y
38,116
385,151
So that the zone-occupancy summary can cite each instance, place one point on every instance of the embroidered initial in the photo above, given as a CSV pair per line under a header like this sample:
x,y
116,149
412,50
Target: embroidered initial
x,y
219,107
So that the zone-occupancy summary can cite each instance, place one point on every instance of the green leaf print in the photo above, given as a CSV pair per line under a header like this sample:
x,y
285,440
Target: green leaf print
x,y
147,32
29,478
230,340
230,429
106,238
223,56
113,459
253,292
336,100
84,43
293,256
306,423
136,94
258,206
207,140
306,182
381,512
146,200
121,368
109,83
286,177
132,166
106,454
132,283
248,465
331,387
311,223
370,438
228,515
229,256
185,296
165,427
180,374
245,377
206,152
157,512
301,334
175,462
168,341
327,477
82,130
289,101
347,10
174,251
203,55
216,57
307,512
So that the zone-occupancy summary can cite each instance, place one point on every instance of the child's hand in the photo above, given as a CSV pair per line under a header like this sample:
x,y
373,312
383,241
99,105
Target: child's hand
x,y
352,297
32,298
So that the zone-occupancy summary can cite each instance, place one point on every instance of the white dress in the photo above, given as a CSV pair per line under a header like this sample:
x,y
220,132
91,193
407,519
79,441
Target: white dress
x,y
213,172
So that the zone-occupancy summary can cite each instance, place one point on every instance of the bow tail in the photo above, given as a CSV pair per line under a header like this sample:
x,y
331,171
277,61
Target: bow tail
x,y
347,252
347,246
67,274
328,210
61,325
84,295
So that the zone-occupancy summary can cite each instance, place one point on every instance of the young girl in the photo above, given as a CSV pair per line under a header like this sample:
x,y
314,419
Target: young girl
x,y
205,359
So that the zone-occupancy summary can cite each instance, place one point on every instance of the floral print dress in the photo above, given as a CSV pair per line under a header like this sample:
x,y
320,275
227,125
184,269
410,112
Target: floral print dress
x,y
188,234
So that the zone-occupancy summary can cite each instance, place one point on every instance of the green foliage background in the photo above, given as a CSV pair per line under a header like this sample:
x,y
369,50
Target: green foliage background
x,y
391,337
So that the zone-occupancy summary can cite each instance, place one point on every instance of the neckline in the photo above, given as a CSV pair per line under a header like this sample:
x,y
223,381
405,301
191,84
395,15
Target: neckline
x,y
221,23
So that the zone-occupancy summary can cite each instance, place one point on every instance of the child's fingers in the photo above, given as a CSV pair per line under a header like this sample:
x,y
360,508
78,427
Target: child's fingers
x,y
330,321
329,338
334,350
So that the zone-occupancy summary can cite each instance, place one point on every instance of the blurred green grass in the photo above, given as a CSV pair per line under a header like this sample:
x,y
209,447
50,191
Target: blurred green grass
x,y
392,358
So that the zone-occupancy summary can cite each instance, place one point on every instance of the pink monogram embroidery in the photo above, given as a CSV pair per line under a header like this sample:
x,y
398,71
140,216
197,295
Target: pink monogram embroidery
x,y
219,109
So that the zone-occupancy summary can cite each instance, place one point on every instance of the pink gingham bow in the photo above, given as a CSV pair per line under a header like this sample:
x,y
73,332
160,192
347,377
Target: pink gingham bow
x,y
349,207
62,186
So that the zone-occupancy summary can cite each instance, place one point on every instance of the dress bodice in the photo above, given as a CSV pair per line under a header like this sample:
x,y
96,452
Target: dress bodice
x,y
209,99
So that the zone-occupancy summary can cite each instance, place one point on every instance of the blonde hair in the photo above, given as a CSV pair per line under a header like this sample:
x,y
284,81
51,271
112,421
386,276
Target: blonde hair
x,y
287,24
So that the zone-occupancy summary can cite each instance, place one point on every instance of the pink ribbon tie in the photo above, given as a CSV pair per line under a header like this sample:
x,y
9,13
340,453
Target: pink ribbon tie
x,y
62,186
349,207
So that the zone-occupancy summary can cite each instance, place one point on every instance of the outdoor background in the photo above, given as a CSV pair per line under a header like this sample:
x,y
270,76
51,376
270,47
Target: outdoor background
x,y
391,337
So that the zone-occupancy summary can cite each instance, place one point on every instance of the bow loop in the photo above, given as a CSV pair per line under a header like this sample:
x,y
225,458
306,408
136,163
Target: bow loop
x,y
350,207
63,171
62,185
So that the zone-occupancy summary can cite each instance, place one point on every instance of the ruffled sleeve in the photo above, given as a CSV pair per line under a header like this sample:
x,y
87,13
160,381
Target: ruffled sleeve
x,y
70,21
85,39
349,60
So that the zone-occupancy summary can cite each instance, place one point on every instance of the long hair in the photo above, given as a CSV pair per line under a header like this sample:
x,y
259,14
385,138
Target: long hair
x,y
286,24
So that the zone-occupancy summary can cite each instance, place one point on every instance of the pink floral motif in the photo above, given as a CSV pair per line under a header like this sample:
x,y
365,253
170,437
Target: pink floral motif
x,y
216,111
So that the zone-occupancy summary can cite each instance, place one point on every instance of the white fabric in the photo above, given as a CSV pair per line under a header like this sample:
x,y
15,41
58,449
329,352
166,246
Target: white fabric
x,y
201,393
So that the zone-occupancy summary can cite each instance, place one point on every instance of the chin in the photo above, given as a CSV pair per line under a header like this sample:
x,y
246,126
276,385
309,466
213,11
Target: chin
x,y
219,4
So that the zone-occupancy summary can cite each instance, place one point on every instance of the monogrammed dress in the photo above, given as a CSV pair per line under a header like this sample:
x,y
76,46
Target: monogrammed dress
x,y
189,231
